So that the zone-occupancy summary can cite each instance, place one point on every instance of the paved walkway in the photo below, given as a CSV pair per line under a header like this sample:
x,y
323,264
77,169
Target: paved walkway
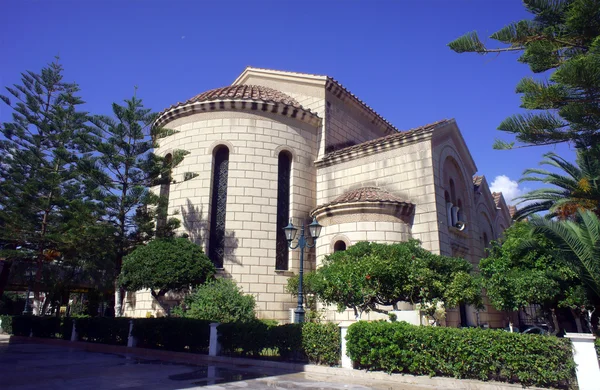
x,y
34,366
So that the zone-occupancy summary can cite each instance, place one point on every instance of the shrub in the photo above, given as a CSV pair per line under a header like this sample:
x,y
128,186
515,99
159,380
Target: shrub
x,y
462,353
321,343
104,330
244,338
288,341
6,324
165,264
46,327
220,300
173,334
21,325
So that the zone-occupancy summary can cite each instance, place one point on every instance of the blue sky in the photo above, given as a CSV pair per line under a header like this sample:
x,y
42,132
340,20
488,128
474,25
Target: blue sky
x,y
392,54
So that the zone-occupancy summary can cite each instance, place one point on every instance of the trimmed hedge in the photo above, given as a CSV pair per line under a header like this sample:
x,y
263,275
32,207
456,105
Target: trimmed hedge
x,y
104,330
46,327
462,353
173,334
317,343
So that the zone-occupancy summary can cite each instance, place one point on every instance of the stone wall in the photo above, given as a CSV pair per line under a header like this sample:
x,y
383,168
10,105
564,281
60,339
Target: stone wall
x,y
254,142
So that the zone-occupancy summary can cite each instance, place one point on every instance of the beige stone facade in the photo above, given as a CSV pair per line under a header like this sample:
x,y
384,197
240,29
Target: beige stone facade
x,y
337,145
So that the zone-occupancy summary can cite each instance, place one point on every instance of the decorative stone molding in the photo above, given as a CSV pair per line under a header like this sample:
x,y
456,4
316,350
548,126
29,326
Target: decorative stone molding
x,y
211,148
339,237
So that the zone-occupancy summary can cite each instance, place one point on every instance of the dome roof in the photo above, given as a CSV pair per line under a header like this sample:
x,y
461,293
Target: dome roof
x,y
246,92
235,97
365,194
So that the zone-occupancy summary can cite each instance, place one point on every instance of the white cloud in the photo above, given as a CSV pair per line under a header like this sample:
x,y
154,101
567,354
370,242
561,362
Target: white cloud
x,y
510,188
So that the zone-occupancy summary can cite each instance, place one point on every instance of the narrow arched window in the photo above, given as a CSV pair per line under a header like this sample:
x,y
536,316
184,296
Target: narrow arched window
x,y
339,246
452,192
165,189
284,171
218,206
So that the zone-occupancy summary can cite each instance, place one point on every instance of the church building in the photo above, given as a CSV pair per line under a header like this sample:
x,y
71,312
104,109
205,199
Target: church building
x,y
276,145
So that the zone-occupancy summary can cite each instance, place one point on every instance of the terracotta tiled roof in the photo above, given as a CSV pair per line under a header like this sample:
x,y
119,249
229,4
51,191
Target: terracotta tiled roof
x,y
366,194
246,92
497,196
512,211
380,144
331,86
477,180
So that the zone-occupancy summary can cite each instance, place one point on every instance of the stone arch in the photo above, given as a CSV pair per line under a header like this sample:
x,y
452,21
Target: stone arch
x,y
339,238
211,149
282,148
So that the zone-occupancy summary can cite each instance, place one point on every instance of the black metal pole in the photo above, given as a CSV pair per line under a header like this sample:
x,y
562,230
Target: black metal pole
x,y
26,308
299,312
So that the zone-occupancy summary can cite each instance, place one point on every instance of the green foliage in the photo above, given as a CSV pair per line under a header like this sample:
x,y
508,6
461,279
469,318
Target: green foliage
x,y
563,36
577,188
46,327
370,274
317,343
6,323
219,300
45,211
579,243
164,265
517,274
173,334
531,360
322,343
103,330
245,338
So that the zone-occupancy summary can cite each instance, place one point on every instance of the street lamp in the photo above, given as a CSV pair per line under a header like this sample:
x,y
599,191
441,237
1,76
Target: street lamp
x,y
27,308
290,233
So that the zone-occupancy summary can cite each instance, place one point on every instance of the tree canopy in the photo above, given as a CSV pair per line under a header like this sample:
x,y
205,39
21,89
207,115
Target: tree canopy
x,y
564,36
369,275
168,264
577,188
527,268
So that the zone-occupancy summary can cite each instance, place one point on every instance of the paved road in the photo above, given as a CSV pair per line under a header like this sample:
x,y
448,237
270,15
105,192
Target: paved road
x,y
33,366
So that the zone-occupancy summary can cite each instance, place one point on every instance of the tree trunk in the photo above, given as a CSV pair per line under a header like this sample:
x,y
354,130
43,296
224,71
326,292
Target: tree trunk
x,y
577,321
118,300
4,274
555,322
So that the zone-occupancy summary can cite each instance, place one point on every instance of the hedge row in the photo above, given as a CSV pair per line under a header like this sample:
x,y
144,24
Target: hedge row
x,y
47,327
103,330
173,334
317,343
462,353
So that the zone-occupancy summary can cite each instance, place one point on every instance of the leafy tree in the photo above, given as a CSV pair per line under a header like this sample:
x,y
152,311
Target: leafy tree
x,y
369,275
121,173
516,276
219,300
577,188
579,243
39,179
564,36
168,264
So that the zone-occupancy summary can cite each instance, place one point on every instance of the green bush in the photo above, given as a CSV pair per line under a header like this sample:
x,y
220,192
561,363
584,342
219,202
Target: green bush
x,y
288,341
21,325
321,343
104,330
220,300
46,327
317,343
173,334
6,324
462,353
244,338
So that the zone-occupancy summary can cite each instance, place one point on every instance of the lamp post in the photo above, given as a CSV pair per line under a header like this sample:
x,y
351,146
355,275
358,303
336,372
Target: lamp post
x,y
290,233
27,308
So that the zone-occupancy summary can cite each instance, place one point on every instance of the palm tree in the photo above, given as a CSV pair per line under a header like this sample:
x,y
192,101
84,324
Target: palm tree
x,y
578,188
579,242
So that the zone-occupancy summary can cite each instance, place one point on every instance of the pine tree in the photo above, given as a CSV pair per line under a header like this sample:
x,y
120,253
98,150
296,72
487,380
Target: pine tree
x,y
122,173
563,36
39,180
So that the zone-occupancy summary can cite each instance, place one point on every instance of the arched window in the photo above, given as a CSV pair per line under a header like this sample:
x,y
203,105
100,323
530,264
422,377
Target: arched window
x,y
218,206
460,213
165,189
283,209
339,246
452,192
